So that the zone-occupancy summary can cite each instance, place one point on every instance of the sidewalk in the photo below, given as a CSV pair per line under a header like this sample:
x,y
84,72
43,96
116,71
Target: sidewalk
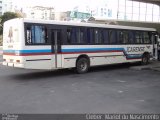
x,y
153,65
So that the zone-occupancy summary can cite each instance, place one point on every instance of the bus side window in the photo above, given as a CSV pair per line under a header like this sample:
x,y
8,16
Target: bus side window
x,y
138,38
112,37
101,38
146,37
123,37
36,34
29,41
98,38
120,37
69,35
75,35
95,34
80,35
131,37
89,36
106,36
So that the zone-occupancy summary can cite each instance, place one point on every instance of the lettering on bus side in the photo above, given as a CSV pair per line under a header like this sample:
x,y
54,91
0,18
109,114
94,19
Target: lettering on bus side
x,y
135,49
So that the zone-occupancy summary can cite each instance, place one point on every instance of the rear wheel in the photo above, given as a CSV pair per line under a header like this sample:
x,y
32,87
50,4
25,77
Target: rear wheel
x,y
82,65
145,59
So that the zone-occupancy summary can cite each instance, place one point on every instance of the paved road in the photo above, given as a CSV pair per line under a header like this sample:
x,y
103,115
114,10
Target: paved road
x,y
110,89
1,59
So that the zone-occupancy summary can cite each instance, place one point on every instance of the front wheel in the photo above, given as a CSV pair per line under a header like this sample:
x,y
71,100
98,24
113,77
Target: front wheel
x,y
145,59
82,65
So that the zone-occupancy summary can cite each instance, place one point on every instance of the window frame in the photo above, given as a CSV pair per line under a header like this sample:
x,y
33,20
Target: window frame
x,y
120,41
36,24
88,35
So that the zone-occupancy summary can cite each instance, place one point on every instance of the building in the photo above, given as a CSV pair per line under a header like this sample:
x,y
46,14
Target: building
x,y
1,5
7,6
101,10
40,12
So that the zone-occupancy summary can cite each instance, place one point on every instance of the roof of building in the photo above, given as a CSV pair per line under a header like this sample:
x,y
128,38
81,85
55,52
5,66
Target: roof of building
x,y
157,2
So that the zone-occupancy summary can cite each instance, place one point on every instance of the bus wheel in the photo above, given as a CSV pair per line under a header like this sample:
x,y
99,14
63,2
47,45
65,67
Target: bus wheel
x,y
82,65
145,59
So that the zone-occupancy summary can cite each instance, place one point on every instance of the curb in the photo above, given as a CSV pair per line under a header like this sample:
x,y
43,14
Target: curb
x,y
152,66
156,68
140,68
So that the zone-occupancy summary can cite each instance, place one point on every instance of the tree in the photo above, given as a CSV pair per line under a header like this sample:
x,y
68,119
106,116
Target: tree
x,y
7,16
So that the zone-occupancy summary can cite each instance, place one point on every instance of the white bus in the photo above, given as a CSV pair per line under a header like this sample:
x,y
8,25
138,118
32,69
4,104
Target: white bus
x,y
48,44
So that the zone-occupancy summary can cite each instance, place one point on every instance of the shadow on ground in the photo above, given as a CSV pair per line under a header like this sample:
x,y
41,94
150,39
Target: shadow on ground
x,y
67,72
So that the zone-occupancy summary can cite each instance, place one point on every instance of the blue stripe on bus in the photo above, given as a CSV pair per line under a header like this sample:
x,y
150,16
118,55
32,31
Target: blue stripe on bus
x,y
27,51
91,49
128,56
103,49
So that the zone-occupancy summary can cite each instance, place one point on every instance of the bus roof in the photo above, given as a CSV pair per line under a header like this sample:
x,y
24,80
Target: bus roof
x,y
84,24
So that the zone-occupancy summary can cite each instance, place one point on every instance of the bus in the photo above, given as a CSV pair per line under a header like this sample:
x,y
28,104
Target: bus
x,y
49,44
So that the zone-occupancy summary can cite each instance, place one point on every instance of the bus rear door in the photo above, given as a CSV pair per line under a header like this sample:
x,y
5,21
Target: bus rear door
x,y
56,48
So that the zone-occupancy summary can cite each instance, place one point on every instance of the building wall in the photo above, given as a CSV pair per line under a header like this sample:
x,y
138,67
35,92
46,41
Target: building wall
x,y
1,7
39,12
7,5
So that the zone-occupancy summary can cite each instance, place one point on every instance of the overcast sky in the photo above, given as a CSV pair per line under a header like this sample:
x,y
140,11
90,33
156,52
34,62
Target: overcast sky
x,y
61,5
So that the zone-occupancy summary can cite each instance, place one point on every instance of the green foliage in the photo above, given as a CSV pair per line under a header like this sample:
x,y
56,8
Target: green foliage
x,y
0,40
6,16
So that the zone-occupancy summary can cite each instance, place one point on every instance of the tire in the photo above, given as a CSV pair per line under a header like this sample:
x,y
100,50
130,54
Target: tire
x,y
145,59
158,55
82,65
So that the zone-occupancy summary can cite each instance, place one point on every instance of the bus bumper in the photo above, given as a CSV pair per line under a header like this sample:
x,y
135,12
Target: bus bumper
x,y
13,64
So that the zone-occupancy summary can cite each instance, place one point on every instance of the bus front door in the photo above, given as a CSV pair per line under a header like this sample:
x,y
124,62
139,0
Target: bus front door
x,y
56,48
155,47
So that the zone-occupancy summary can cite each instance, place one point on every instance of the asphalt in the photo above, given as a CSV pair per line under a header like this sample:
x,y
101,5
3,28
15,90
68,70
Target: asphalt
x,y
153,65
1,59
106,89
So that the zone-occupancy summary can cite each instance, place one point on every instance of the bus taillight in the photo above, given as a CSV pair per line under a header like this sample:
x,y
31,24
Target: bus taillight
x,y
18,61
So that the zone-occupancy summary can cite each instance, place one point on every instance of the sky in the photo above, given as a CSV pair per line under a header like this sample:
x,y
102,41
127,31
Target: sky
x,y
67,5
59,4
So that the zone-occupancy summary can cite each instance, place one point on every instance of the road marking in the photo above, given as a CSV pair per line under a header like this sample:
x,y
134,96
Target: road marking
x,y
140,100
121,81
119,91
